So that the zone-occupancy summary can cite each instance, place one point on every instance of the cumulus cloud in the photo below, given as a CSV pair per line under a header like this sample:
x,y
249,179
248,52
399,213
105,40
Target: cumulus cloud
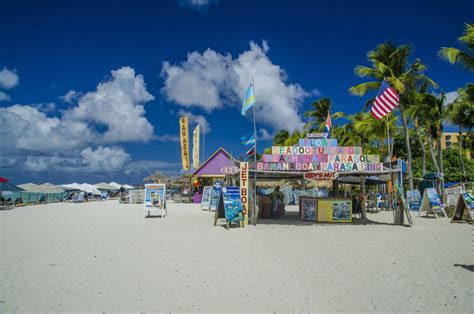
x,y
264,135
211,80
113,113
8,78
70,97
146,167
195,120
102,159
4,96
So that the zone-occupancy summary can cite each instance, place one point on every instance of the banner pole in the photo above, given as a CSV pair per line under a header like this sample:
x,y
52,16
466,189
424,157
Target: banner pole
x,y
254,161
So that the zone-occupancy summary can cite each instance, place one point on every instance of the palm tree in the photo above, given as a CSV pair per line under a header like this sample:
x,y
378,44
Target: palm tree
x,y
454,55
280,138
319,114
461,113
390,62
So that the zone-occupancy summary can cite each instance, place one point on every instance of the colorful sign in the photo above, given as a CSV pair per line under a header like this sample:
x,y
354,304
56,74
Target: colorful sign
x,y
465,201
334,210
308,208
229,170
155,198
206,197
414,200
320,175
184,138
244,189
431,203
196,137
232,203
318,154
215,196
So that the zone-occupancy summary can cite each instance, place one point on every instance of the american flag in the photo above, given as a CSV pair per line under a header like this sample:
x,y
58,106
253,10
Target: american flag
x,y
385,101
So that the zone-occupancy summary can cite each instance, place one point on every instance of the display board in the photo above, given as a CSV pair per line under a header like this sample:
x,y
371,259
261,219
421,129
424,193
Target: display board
x,y
215,195
232,204
308,208
206,197
431,204
155,199
465,201
334,210
414,200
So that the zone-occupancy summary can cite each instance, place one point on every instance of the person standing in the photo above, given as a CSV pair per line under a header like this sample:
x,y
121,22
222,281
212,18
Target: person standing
x,y
277,199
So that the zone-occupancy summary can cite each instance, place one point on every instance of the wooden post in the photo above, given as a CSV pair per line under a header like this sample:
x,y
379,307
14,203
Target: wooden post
x,y
335,187
362,198
399,213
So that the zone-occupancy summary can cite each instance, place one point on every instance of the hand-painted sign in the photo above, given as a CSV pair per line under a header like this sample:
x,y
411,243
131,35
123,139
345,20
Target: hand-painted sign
x,y
229,170
184,138
320,175
196,137
244,189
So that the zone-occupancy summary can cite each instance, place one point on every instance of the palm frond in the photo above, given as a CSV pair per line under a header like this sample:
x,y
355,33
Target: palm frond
x,y
363,88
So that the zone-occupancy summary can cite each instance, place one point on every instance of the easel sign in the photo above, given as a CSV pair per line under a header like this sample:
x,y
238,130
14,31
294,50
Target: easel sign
x,y
431,204
414,200
465,201
155,199
206,197
233,210
215,196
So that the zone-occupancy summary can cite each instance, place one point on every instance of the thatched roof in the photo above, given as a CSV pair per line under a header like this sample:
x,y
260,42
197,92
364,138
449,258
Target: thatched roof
x,y
158,177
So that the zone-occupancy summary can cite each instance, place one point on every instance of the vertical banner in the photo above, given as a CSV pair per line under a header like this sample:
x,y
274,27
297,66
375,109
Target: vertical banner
x,y
244,190
184,137
196,136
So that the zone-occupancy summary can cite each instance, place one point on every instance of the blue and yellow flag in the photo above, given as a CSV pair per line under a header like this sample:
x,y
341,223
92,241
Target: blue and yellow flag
x,y
249,100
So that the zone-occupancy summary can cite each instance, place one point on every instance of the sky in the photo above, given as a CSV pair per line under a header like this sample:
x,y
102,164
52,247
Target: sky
x,y
92,91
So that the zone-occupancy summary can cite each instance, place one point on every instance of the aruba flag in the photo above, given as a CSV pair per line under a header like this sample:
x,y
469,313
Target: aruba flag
x,y
249,100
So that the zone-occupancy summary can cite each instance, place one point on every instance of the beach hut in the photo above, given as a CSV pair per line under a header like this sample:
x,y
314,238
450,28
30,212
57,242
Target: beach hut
x,y
211,170
158,177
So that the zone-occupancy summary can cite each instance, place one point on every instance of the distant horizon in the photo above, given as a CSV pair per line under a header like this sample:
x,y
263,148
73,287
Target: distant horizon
x,y
95,94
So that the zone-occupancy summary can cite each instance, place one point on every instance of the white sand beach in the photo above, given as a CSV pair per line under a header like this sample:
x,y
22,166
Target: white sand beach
x,y
103,256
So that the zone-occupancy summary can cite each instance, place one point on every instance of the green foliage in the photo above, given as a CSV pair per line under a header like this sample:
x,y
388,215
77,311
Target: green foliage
x,y
455,55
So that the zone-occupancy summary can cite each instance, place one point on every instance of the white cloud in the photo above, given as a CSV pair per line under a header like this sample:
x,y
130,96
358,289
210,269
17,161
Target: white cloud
x,y
117,104
4,97
102,159
264,135
146,167
166,138
8,78
195,120
70,97
211,80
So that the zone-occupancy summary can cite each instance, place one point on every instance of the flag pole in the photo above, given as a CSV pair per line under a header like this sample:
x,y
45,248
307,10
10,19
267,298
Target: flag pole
x,y
254,161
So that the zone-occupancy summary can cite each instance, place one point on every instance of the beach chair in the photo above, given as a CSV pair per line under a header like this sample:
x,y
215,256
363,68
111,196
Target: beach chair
x,y
80,198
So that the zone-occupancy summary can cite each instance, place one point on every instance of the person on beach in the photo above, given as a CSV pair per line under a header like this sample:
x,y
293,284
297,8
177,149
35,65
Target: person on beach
x,y
277,199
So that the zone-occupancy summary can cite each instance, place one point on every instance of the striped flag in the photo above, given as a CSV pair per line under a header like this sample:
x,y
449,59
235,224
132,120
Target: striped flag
x,y
249,100
248,140
328,126
251,151
385,101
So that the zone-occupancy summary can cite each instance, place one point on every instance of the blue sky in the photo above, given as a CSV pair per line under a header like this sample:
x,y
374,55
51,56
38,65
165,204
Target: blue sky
x,y
100,85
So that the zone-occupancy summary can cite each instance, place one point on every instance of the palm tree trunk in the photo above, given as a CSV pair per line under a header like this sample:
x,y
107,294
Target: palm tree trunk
x,y
461,157
408,148
432,153
441,168
423,154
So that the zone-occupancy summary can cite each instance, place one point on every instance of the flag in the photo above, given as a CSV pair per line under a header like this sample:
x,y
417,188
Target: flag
x,y
196,138
184,138
249,100
385,101
328,126
248,141
251,151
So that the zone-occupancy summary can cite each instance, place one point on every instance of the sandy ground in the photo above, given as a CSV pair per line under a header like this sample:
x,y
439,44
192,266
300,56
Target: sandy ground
x,y
106,257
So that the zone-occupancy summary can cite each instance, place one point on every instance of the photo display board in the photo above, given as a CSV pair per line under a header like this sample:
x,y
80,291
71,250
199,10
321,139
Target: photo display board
x,y
215,196
431,203
155,198
325,209
232,203
206,197
465,202
414,200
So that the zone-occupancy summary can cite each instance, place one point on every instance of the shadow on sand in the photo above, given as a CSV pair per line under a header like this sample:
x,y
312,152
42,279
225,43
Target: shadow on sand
x,y
468,267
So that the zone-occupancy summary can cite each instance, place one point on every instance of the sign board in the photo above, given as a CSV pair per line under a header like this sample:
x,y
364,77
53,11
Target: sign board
x,y
229,170
317,135
308,208
184,139
414,200
206,197
232,203
155,199
465,201
244,189
334,210
431,204
196,150
215,196
320,175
